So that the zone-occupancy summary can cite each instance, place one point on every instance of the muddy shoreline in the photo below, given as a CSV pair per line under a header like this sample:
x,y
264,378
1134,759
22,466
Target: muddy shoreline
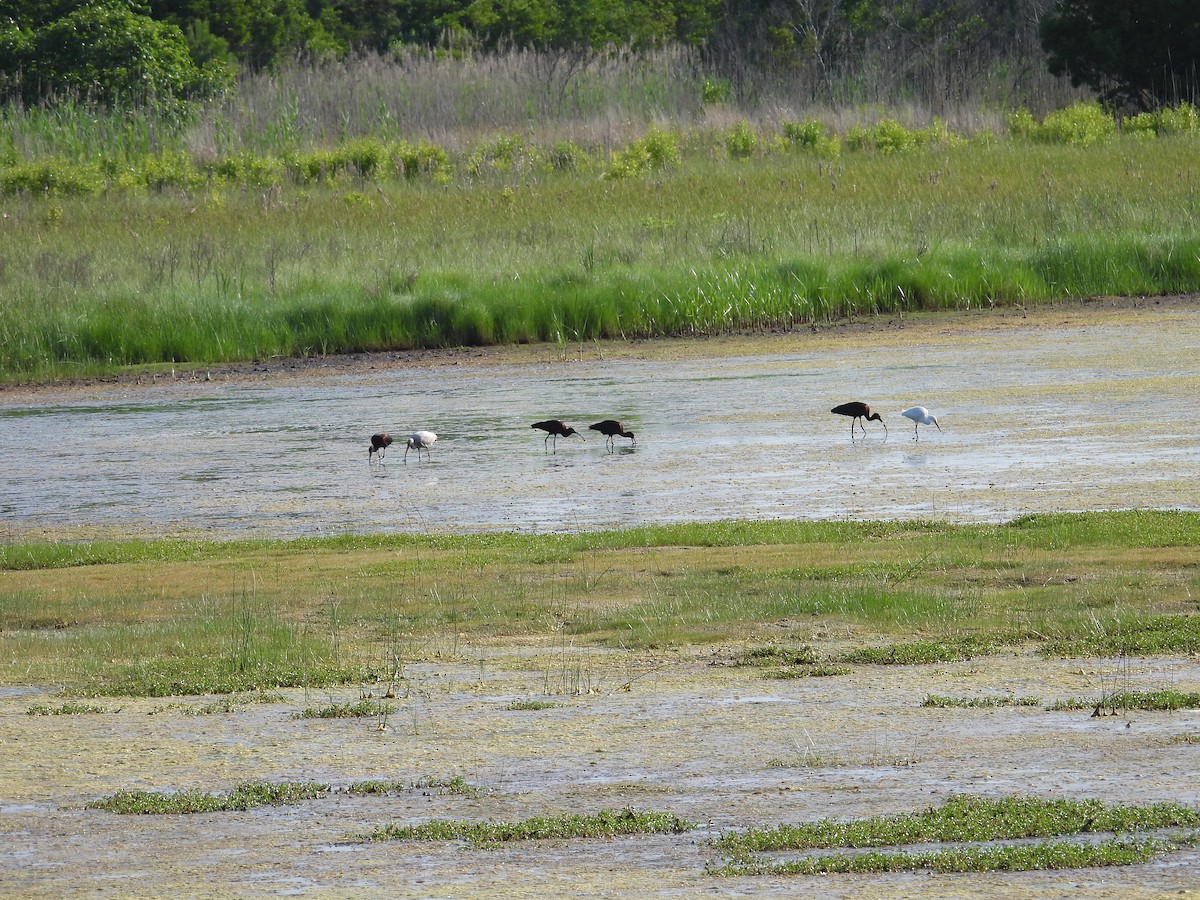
x,y
914,327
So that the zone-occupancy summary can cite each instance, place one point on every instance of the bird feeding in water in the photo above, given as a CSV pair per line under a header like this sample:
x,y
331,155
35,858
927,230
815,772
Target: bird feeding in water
x,y
920,416
379,443
420,440
857,410
555,428
611,429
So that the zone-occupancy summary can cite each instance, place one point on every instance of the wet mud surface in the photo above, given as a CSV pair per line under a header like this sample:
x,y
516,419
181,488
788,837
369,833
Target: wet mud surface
x,y
1087,407
721,746
1074,408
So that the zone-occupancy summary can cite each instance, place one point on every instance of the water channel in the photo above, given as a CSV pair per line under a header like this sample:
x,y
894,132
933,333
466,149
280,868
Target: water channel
x,y
1090,412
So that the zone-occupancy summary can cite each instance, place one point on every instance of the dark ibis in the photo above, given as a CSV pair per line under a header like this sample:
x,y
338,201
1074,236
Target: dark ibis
x,y
611,429
555,428
857,410
379,443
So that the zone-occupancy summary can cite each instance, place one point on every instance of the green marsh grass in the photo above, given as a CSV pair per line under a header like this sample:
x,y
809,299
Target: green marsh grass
x,y
358,710
160,618
245,796
964,819
938,701
186,267
607,823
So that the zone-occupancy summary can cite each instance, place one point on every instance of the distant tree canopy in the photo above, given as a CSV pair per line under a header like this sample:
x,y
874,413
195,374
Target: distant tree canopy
x,y
1141,51
1134,53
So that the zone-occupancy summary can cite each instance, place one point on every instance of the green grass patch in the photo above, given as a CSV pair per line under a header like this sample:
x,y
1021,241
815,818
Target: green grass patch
x,y
530,705
365,708
372,244
1132,636
245,796
962,819
69,709
1026,858
966,818
186,618
455,786
917,653
607,823
1164,700
937,701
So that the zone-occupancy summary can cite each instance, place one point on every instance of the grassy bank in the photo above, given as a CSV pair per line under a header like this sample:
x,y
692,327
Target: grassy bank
x,y
678,232
194,617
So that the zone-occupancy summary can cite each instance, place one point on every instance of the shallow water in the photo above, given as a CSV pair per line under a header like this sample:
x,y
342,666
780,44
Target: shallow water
x,y
1085,414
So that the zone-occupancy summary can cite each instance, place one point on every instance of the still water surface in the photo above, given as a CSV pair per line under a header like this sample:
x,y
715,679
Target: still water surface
x,y
1081,415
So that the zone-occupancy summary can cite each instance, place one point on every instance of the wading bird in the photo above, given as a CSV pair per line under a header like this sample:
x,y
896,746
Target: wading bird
x,y
421,440
611,429
379,443
858,410
555,428
920,416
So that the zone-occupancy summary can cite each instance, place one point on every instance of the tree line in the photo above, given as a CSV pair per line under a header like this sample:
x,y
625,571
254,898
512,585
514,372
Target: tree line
x,y
1132,53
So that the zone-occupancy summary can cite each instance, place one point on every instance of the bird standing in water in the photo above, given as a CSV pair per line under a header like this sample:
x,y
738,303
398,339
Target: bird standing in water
x,y
611,429
555,428
857,410
379,443
920,416
420,440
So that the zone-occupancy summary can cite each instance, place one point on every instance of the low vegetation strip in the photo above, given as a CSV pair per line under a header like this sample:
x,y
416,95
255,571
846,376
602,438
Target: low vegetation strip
x,y
245,796
965,818
607,823
938,701
1165,700
158,619
1021,858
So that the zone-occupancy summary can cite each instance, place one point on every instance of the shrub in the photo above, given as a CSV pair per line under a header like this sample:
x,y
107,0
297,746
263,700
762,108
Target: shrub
x,y
741,141
51,177
812,136
658,150
1079,124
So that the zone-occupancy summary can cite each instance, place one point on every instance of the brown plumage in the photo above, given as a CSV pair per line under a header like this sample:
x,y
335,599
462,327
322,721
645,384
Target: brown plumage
x,y
555,428
857,410
379,443
611,429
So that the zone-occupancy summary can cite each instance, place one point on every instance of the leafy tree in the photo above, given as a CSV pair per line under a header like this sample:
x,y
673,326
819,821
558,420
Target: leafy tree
x,y
1134,53
105,50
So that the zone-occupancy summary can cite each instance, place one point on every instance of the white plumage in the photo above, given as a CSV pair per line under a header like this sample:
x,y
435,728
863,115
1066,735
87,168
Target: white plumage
x,y
920,416
420,440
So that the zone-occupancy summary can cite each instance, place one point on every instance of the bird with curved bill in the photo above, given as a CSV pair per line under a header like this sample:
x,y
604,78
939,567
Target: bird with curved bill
x,y
420,440
920,416
858,413
555,428
611,429
379,443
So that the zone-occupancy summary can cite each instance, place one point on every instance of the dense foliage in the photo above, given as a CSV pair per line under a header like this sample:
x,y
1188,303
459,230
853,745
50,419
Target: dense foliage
x,y
1140,54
